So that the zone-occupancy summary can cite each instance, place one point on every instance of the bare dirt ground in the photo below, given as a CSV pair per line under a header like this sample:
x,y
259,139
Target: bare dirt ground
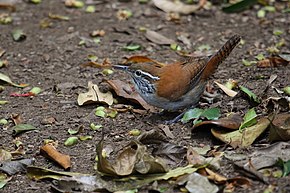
x,y
51,58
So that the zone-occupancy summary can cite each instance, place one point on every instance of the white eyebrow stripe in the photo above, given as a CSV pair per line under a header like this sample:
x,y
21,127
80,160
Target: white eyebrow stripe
x,y
150,75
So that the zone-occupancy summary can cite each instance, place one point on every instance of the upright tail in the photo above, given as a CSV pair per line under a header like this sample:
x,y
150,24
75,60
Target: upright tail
x,y
220,56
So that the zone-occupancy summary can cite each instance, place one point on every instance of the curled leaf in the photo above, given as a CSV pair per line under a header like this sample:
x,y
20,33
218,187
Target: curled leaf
x,y
51,152
20,128
6,79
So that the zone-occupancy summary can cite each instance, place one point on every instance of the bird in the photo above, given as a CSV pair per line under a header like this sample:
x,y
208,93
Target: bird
x,y
178,85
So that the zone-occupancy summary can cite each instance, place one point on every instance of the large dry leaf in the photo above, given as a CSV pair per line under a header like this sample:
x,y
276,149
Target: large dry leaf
x,y
233,122
176,6
95,95
133,159
280,128
124,90
70,182
158,38
273,61
242,138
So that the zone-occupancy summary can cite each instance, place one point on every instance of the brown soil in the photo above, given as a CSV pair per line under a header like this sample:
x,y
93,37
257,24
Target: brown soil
x,y
51,59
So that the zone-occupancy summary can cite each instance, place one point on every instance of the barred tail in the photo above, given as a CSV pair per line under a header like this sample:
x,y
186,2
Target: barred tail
x,y
220,56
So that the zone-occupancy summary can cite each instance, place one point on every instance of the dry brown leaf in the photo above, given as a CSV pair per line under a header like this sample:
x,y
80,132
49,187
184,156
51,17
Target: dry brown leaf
x,y
280,128
272,62
105,64
176,6
95,95
233,122
211,175
50,151
158,38
17,118
124,90
228,91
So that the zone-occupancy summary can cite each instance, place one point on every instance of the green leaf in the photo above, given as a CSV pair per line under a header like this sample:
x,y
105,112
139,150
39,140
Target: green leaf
x,y
204,47
132,47
4,179
20,128
277,32
71,141
90,9
86,137
3,102
6,79
107,71
248,63
270,8
191,114
3,121
100,112
260,57
250,94
112,113
134,132
285,166
211,113
72,131
92,58
18,35
249,119
175,47
240,6
287,90
261,13
95,127
35,1
35,90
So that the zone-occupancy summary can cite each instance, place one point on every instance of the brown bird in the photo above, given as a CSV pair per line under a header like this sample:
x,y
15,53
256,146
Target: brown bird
x,y
179,85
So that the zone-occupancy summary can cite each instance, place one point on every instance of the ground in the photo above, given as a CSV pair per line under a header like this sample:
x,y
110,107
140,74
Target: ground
x,y
51,58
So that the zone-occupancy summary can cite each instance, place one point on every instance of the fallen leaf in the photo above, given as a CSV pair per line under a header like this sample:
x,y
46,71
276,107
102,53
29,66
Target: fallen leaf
x,y
250,94
233,122
242,138
198,183
4,179
177,6
228,91
132,47
124,90
74,3
5,155
13,167
51,152
158,38
18,35
273,61
239,6
6,79
249,119
71,141
134,158
280,128
20,128
95,95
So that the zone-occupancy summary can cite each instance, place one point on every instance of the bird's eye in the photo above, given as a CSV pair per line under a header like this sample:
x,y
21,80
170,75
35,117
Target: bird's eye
x,y
138,73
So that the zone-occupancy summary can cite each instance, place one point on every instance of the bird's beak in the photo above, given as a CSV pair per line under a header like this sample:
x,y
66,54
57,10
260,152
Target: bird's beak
x,y
120,67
